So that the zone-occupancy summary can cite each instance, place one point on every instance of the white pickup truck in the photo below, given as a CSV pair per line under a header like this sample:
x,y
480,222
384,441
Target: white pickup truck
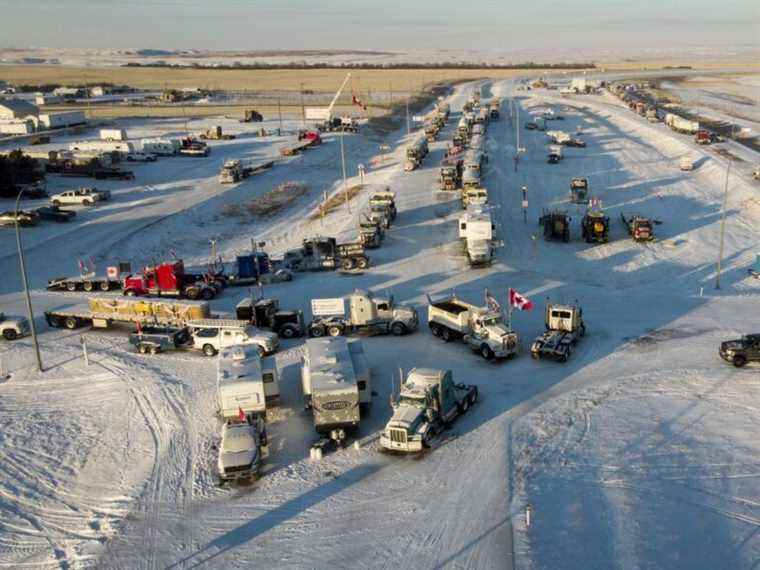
x,y
81,196
212,335
12,328
481,328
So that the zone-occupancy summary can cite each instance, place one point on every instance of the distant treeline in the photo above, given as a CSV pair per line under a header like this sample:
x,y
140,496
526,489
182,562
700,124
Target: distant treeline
x,y
50,87
442,65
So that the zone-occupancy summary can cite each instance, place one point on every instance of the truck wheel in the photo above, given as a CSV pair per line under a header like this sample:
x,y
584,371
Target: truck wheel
x,y
153,350
398,329
71,323
565,356
465,405
435,329
446,335
87,286
486,352
207,294
739,361
71,286
473,398
287,332
87,202
142,348
56,203
347,264
316,332
10,334
335,330
192,293
105,286
130,293
362,263
209,350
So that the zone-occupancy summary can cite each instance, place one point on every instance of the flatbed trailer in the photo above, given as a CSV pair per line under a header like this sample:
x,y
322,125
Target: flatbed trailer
x,y
296,148
104,312
81,283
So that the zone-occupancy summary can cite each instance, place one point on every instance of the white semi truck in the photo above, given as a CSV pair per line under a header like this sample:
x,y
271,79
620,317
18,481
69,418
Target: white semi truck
x,y
428,401
361,311
476,233
564,327
335,379
481,328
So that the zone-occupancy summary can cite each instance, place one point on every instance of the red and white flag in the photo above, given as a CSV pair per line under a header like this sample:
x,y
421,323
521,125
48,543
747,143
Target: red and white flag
x,y
518,301
358,102
491,302
241,414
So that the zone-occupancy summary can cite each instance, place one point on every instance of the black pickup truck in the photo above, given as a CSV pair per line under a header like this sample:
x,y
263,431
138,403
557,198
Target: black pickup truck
x,y
740,352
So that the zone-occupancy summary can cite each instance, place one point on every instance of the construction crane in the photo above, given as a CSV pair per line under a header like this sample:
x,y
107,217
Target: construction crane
x,y
337,94
325,114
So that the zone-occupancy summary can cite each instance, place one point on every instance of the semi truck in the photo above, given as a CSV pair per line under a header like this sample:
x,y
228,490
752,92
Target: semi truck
x,y
382,208
255,268
450,177
317,254
639,227
415,153
481,328
361,311
428,401
476,233
681,125
335,379
102,312
266,313
564,327
170,280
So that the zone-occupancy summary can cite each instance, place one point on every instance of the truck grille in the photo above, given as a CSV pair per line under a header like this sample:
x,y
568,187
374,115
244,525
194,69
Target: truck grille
x,y
398,435
236,469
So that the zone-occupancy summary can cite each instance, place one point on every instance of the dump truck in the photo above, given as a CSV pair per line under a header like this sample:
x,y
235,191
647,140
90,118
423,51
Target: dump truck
x,y
318,254
102,312
564,326
476,233
481,328
361,311
595,226
12,328
555,225
428,401
335,380
640,228
579,190
265,313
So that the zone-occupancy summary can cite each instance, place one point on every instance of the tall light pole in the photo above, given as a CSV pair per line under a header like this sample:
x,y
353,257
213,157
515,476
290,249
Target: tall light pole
x,y
722,228
25,283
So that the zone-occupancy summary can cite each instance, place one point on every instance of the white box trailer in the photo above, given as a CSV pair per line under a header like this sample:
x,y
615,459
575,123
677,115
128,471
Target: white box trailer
x,y
240,383
121,147
113,135
161,147
335,380
60,120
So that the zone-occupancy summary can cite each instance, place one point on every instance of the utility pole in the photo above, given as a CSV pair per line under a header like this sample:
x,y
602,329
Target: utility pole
x,y
25,282
303,109
722,227
408,126
343,163
279,115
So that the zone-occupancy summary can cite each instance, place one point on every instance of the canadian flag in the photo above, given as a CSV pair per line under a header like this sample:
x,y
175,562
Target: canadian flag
x,y
518,301
241,414
358,102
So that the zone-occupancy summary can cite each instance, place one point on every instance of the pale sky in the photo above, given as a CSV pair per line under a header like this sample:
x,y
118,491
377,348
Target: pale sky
x,y
378,24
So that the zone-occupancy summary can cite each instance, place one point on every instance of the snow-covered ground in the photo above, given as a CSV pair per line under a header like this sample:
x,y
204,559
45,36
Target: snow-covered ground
x,y
638,453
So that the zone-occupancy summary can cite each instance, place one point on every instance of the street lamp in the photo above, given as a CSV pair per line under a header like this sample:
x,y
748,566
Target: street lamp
x,y
722,228
25,282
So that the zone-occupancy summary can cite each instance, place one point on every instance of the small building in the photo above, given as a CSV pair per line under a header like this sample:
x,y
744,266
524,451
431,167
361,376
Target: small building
x,y
17,109
47,99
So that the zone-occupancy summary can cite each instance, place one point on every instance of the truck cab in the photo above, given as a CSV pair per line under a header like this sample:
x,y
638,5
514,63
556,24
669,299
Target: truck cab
x,y
564,326
428,400
212,335
266,313
12,328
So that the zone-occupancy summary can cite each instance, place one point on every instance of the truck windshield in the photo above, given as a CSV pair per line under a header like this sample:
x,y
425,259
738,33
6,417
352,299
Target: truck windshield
x,y
491,321
415,401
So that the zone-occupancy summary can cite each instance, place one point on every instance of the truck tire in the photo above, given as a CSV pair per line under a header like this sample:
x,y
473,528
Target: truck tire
x,y
486,352
71,286
87,202
105,286
192,293
739,361
10,334
565,356
398,329
288,332
435,329
335,330
473,397
130,293
142,348
153,349
446,335
316,331
71,323
56,203
209,350
464,406
347,263
362,262
87,286
207,293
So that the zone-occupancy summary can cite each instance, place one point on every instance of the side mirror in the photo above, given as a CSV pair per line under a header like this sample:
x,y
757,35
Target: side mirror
x,y
430,415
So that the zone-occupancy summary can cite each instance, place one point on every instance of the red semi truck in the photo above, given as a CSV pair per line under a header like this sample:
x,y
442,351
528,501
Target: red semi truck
x,y
170,280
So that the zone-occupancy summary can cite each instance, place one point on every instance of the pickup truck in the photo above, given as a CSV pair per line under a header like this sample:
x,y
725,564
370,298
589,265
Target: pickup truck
x,y
12,328
740,352
79,197
55,214
155,339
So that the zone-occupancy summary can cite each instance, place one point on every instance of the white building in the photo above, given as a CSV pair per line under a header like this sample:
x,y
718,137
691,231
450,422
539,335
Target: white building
x,y
60,120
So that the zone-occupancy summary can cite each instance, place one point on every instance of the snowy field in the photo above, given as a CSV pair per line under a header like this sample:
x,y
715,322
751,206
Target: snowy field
x,y
640,452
